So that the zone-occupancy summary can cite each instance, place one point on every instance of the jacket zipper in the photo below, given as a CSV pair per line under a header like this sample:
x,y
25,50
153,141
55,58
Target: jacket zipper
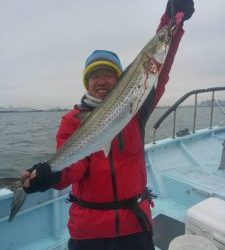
x,y
115,195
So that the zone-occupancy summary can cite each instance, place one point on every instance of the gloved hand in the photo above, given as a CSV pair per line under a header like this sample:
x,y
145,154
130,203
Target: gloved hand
x,y
186,6
40,177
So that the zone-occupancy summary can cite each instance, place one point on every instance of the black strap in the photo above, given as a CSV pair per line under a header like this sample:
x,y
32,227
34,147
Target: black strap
x,y
131,204
141,216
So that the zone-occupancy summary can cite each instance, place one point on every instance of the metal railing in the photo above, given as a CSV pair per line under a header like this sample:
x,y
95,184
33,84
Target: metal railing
x,y
174,107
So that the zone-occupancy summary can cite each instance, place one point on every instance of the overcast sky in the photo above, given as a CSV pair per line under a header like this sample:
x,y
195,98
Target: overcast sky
x,y
44,44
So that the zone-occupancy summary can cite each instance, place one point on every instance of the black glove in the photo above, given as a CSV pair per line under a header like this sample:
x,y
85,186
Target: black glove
x,y
44,179
186,6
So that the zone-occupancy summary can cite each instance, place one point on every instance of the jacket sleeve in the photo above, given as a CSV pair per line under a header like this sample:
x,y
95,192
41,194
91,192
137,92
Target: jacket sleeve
x,y
155,95
78,170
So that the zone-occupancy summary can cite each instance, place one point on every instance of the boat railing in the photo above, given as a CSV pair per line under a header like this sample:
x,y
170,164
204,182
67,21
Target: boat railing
x,y
174,107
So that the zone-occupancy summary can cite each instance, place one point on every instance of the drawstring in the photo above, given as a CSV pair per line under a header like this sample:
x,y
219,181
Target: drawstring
x,y
121,144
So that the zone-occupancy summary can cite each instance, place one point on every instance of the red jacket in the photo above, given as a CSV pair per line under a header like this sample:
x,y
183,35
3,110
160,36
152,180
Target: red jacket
x,y
121,176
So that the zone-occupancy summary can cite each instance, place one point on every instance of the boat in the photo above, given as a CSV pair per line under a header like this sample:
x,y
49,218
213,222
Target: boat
x,y
187,173
184,170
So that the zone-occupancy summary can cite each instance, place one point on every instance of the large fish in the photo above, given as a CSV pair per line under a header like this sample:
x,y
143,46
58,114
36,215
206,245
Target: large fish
x,y
99,127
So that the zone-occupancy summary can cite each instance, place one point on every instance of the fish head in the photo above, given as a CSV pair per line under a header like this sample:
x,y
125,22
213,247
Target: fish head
x,y
156,52
162,44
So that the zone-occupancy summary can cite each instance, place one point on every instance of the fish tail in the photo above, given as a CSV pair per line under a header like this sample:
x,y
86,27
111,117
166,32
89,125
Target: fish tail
x,y
18,200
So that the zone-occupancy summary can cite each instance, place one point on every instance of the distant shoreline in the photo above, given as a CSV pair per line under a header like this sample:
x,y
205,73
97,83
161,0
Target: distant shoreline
x,y
29,111
63,110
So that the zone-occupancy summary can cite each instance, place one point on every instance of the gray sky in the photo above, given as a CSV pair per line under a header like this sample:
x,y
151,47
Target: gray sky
x,y
44,44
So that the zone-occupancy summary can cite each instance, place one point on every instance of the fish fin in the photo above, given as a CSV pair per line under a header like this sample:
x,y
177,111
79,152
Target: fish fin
x,y
83,116
134,105
107,149
156,84
18,200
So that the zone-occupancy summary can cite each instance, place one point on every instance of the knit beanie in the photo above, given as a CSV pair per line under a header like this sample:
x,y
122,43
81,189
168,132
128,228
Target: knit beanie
x,y
101,59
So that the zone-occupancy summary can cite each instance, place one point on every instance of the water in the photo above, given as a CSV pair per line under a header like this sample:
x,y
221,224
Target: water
x,y
29,137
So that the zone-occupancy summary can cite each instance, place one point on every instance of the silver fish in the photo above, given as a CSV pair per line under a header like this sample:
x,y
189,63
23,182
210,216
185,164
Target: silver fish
x,y
99,127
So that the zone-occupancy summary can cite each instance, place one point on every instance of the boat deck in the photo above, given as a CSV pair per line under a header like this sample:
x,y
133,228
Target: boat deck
x,y
193,160
187,173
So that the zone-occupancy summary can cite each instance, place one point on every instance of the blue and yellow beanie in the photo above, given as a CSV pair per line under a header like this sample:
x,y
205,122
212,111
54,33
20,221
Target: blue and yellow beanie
x,y
101,59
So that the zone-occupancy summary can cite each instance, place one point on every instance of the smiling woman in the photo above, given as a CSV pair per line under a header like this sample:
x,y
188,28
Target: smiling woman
x,y
101,73
100,82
